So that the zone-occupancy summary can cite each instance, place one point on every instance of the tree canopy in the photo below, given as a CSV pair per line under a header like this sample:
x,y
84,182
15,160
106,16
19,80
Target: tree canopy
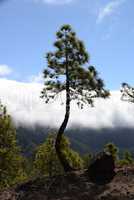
x,y
112,149
127,93
69,63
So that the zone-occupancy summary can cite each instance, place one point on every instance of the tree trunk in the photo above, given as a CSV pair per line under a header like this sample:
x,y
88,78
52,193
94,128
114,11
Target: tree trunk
x,y
64,162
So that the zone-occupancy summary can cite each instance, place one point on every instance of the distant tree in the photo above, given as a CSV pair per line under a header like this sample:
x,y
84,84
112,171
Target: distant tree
x,y
128,157
67,71
86,159
46,161
112,149
127,93
11,171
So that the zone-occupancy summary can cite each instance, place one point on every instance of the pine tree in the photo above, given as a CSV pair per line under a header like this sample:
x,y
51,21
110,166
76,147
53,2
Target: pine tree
x,y
112,149
128,157
87,159
11,170
127,93
68,70
46,161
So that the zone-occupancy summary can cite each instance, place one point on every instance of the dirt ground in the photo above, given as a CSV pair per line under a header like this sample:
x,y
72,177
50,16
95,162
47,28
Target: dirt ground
x,y
74,186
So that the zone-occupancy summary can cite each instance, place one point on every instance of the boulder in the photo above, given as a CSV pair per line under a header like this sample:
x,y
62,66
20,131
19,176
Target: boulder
x,y
102,168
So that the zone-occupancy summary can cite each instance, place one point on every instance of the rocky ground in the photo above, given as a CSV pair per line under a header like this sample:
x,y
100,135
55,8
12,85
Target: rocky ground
x,y
74,186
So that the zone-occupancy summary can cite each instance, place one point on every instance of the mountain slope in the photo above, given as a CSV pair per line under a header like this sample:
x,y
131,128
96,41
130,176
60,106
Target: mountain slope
x,y
83,140
74,186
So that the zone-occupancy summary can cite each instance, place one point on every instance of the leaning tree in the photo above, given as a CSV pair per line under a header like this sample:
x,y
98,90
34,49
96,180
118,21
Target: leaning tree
x,y
68,70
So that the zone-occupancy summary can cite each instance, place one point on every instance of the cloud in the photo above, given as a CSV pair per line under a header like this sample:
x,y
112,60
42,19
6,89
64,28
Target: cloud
x,y
36,78
27,108
55,2
5,70
109,9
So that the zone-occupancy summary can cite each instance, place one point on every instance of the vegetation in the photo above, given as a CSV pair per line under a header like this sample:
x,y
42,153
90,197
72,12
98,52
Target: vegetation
x,y
46,161
112,149
11,171
86,159
68,70
127,159
127,93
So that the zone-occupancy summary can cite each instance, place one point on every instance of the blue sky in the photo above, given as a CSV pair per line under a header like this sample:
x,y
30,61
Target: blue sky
x,y
27,32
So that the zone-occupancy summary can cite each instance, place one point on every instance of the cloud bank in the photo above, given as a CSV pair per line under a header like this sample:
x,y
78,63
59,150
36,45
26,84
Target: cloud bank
x,y
36,78
109,9
25,106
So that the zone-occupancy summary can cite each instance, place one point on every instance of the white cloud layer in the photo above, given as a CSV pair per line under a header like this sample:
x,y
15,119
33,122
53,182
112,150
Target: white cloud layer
x,y
36,78
109,9
5,70
26,107
55,2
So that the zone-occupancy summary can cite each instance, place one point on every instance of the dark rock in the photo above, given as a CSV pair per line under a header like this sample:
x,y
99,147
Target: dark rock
x,y
102,168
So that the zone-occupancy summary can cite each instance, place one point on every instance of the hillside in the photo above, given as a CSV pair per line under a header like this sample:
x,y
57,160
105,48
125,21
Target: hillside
x,y
74,186
83,140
